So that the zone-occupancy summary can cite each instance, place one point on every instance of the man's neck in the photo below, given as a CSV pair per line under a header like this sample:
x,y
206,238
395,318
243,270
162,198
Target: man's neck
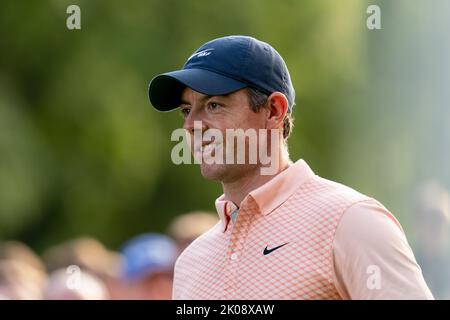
x,y
237,190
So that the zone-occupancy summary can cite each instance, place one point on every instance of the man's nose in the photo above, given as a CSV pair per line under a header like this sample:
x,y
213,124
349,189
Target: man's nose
x,y
194,121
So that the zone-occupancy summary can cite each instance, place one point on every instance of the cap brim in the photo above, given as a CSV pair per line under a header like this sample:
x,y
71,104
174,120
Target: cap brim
x,y
165,90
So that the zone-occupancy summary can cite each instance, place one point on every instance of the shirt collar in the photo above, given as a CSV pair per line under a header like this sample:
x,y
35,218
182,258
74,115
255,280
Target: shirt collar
x,y
270,195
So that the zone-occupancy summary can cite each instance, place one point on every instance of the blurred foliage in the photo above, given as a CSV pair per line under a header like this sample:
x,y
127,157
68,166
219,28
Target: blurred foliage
x,y
82,151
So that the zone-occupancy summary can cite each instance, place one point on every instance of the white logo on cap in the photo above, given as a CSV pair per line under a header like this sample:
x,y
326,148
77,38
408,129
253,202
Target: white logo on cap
x,y
202,53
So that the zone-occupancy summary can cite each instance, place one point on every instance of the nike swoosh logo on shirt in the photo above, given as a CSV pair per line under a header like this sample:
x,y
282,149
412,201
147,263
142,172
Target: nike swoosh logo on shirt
x,y
267,250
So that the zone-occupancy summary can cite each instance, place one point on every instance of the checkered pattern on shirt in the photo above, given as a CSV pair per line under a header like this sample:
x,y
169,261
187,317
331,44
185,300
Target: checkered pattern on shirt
x,y
231,264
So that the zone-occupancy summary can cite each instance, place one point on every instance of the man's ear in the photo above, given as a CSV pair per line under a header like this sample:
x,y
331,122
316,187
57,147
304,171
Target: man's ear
x,y
278,107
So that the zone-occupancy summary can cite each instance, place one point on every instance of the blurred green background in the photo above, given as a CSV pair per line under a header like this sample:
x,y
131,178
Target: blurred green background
x,y
83,153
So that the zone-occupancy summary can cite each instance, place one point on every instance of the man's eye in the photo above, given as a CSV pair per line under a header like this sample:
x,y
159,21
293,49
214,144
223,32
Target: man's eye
x,y
213,106
185,112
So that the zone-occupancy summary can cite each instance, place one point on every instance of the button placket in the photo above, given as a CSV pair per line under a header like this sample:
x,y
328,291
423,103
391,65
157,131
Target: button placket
x,y
239,234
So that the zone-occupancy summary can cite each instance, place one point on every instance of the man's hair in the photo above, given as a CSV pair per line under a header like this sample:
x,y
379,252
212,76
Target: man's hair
x,y
259,99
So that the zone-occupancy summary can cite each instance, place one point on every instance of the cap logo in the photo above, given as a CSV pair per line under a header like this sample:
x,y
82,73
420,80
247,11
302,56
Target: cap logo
x,y
202,53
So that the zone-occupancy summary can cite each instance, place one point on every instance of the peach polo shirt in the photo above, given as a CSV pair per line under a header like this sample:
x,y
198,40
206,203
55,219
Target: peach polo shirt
x,y
300,236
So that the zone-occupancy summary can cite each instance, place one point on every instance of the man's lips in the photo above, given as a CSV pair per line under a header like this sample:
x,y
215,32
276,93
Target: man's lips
x,y
207,149
204,145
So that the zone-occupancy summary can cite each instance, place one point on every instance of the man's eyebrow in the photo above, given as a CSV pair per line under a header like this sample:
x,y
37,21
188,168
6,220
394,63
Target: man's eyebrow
x,y
202,99
183,102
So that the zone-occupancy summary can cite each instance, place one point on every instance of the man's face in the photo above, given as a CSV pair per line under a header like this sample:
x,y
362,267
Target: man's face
x,y
230,111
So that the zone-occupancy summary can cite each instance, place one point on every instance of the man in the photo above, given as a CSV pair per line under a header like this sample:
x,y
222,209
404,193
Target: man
x,y
148,266
90,287
22,273
290,234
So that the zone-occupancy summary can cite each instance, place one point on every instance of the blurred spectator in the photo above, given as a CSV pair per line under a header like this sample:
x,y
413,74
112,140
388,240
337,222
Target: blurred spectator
x,y
85,252
148,266
433,239
91,257
86,286
189,226
20,281
18,251
22,274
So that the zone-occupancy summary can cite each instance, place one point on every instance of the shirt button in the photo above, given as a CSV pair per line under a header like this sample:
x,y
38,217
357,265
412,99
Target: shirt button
x,y
234,256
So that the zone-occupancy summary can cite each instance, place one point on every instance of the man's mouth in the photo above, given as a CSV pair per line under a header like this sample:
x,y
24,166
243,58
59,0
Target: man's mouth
x,y
206,149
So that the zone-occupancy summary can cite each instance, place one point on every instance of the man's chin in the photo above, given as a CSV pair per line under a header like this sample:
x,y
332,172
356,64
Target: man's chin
x,y
214,172
225,172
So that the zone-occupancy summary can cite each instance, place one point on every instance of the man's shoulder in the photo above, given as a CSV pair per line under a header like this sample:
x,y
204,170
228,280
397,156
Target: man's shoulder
x,y
323,191
354,205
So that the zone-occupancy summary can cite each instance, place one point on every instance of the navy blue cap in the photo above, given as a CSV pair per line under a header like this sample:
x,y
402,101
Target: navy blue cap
x,y
222,66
